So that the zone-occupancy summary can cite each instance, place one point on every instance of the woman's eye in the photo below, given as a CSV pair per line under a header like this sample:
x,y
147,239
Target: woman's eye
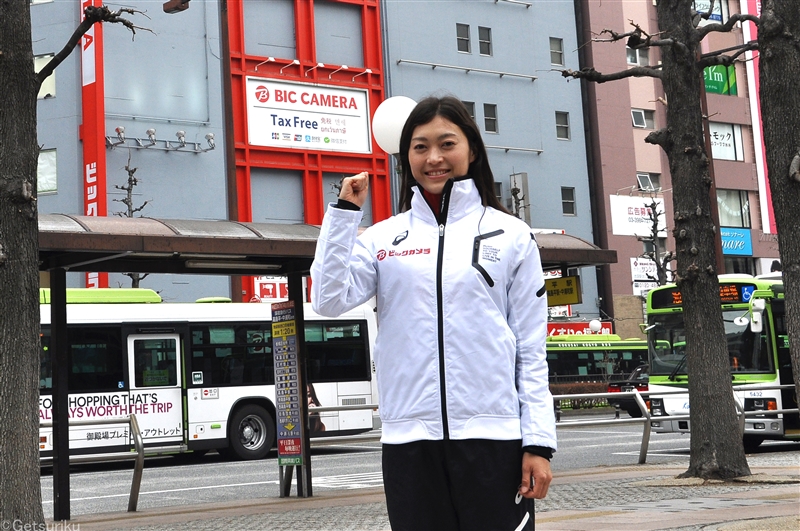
x,y
419,147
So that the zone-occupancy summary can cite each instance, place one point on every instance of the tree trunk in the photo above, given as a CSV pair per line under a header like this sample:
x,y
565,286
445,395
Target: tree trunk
x,y
716,443
20,493
779,44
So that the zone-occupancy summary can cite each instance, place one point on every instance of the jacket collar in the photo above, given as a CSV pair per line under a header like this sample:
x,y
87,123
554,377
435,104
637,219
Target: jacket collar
x,y
459,197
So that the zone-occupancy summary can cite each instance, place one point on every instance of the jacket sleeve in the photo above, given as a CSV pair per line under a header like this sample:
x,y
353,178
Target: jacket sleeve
x,y
343,273
527,316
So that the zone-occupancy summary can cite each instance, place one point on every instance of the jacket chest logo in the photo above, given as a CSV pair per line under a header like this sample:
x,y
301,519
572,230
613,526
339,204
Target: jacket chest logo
x,y
382,254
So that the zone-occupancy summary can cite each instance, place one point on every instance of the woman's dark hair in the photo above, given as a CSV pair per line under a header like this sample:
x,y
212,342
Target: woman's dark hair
x,y
453,110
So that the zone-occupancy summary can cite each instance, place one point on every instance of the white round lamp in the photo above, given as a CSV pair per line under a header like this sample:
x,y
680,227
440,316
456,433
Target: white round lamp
x,y
595,326
388,122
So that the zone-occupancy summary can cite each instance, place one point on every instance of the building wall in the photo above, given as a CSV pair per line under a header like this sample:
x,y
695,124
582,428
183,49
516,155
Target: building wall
x,y
167,79
425,32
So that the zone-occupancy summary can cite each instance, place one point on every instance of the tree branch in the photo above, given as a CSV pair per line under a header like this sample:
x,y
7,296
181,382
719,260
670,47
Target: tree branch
x,y
716,58
92,15
658,138
590,74
724,28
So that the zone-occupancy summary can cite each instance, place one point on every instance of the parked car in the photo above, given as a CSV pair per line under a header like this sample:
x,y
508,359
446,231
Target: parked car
x,y
638,380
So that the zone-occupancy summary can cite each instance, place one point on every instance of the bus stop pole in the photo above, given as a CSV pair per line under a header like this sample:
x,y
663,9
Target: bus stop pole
x,y
60,401
295,281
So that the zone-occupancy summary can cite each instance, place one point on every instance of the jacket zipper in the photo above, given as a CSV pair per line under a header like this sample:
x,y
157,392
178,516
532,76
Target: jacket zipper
x,y
439,306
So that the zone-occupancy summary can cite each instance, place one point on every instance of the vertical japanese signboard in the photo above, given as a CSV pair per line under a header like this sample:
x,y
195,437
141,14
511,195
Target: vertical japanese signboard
x,y
93,129
750,33
287,382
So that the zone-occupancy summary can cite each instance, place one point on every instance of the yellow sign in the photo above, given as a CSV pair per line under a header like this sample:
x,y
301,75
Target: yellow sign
x,y
562,291
283,329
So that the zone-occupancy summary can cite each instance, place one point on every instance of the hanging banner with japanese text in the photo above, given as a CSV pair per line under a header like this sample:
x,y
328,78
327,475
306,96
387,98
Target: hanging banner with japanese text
x,y
630,215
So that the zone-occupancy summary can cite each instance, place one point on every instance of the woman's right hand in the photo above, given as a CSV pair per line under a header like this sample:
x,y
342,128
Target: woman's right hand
x,y
355,189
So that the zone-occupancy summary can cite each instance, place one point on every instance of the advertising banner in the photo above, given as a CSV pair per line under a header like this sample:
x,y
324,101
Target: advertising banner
x,y
630,215
573,328
644,275
720,79
736,241
306,116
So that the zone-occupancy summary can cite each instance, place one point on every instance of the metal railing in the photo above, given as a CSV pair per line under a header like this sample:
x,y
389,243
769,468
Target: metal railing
x,y
137,454
646,417
338,439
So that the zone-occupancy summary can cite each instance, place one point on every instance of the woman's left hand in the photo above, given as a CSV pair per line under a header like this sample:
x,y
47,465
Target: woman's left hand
x,y
535,470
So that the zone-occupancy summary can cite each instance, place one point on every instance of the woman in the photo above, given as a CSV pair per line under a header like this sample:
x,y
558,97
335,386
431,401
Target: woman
x,y
468,424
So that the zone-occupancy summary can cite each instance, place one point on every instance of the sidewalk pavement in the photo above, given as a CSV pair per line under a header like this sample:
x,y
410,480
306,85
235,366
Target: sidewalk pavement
x,y
634,497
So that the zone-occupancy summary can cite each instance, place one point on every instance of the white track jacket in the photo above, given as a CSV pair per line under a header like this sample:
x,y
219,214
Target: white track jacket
x,y
462,312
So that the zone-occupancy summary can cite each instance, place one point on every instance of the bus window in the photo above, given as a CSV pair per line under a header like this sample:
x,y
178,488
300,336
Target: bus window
x,y
233,354
45,363
337,352
95,359
155,362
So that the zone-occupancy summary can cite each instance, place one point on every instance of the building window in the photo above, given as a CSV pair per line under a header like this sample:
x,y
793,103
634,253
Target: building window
x,y
648,246
485,40
556,51
568,201
490,117
470,105
734,208
48,88
46,175
462,38
726,141
562,125
739,265
643,118
649,182
638,56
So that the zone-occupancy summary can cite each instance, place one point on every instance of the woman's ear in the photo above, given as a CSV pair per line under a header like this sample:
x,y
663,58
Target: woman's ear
x,y
471,156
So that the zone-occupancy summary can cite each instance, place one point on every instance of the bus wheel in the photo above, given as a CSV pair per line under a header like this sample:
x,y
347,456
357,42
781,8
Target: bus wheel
x,y
752,443
252,432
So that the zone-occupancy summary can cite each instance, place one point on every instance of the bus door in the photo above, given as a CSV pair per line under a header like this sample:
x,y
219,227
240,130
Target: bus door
x,y
155,387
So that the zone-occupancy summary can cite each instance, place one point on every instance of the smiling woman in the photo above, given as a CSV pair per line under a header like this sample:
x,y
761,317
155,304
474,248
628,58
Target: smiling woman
x,y
439,151
468,423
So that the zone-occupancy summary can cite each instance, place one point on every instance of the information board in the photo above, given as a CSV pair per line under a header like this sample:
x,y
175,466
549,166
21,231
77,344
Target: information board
x,y
287,391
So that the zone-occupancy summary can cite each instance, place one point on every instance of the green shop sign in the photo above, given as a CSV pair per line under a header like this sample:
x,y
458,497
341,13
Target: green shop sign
x,y
720,79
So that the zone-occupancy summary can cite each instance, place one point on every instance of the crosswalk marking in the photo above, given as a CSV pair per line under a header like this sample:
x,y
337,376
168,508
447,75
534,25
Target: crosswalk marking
x,y
366,480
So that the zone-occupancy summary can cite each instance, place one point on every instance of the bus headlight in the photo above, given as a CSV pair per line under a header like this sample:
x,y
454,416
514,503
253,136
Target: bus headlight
x,y
656,407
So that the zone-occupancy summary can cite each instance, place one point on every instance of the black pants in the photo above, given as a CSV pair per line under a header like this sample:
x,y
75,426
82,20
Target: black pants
x,y
455,485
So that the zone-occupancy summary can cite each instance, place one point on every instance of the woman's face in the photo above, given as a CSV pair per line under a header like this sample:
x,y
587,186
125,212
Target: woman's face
x,y
439,151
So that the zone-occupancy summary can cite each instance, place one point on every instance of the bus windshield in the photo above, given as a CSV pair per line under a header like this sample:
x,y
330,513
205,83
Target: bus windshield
x,y
747,352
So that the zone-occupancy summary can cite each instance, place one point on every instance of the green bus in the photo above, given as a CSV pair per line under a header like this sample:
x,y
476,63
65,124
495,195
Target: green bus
x,y
754,315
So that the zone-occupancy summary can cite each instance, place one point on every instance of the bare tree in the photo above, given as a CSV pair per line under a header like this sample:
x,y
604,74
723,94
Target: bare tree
x,y
661,260
518,201
716,444
779,44
131,211
20,492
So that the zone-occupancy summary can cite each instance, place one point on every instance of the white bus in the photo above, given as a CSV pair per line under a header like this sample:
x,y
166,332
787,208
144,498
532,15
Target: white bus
x,y
198,376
